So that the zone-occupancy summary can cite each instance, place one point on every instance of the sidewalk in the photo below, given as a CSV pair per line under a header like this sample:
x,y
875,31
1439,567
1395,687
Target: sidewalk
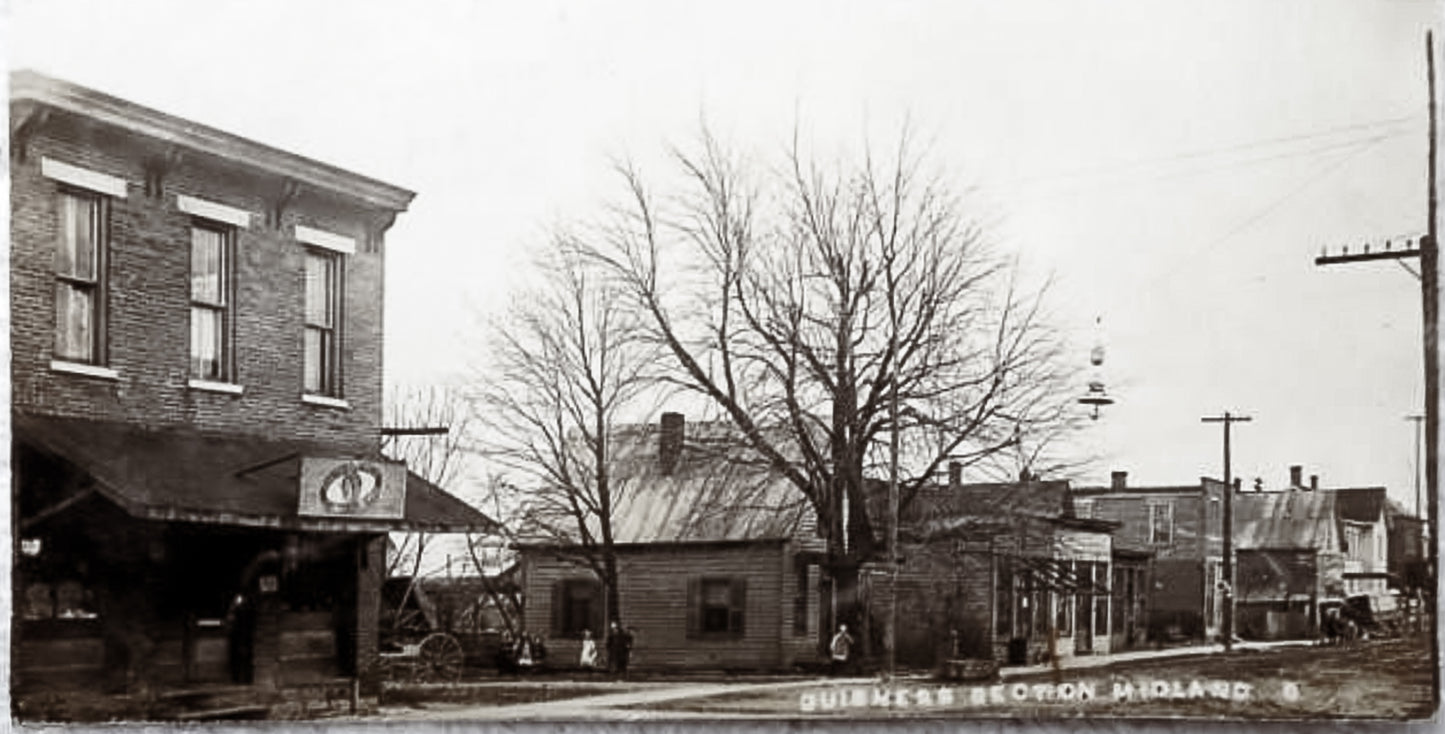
x,y
615,706
1084,662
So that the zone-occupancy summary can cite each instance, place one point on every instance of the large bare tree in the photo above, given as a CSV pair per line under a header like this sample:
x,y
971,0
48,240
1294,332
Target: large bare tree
x,y
568,369
804,302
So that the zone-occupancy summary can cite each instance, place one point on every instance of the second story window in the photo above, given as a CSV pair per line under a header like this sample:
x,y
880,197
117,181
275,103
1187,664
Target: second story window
x,y
80,287
1161,523
322,373
211,316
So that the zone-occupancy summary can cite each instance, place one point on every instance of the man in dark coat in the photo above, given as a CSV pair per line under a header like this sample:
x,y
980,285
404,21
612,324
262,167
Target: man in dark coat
x,y
619,648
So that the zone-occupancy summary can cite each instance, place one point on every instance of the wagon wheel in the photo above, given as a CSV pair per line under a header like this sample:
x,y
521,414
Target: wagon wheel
x,y
439,658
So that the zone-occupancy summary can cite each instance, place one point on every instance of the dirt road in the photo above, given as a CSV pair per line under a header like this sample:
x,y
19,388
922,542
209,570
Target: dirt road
x,y
1382,679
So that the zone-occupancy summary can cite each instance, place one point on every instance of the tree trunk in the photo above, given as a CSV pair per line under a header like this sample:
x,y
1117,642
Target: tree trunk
x,y
609,585
841,585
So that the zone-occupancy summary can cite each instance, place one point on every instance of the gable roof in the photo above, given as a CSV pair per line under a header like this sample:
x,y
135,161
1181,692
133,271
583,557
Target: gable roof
x,y
717,491
1291,519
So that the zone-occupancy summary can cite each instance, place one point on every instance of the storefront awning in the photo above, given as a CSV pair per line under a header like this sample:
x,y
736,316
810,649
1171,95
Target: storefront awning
x,y
184,476
1059,575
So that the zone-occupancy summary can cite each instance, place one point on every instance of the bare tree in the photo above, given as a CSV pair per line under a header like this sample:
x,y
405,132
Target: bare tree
x,y
802,304
568,368
435,457
435,440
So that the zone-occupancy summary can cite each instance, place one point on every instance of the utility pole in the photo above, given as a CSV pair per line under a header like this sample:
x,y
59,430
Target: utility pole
x,y
1417,419
1228,419
1429,255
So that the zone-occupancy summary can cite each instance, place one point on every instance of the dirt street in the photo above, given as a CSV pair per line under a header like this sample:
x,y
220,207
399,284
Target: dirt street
x,y
1380,679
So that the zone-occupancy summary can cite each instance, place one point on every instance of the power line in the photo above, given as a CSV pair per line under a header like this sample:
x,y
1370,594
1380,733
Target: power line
x,y
1045,194
1221,150
1274,205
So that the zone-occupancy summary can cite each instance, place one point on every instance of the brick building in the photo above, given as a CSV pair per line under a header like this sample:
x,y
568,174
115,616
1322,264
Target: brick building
x,y
1182,526
199,492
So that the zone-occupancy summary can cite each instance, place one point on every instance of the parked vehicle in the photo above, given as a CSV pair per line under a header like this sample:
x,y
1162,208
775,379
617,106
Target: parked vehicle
x,y
1376,614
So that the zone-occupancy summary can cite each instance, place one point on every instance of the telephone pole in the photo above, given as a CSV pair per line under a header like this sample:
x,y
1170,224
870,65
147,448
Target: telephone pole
x,y
1417,419
1228,419
1428,252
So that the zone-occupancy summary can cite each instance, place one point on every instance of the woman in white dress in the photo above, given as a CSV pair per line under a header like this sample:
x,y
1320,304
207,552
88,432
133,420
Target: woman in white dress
x,y
589,651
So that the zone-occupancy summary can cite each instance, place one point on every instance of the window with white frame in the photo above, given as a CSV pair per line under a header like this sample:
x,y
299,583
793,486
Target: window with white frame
x,y
80,277
322,368
211,296
1161,523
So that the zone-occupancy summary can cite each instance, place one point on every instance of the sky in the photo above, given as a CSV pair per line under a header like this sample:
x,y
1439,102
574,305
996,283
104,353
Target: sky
x,y
1172,167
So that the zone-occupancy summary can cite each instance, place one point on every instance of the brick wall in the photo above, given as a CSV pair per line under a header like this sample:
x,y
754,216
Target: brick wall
x,y
1194,523
148,324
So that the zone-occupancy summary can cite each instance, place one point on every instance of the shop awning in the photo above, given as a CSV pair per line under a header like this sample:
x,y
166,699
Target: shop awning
x,y
185,476
1059,575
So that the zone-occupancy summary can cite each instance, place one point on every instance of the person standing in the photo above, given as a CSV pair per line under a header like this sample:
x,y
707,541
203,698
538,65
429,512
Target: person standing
x,y
839,650
241,638
589,651
619,648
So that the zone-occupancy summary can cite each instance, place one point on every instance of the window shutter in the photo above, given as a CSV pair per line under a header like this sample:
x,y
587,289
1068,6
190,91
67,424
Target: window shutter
x,y
559,600
737,606
694,606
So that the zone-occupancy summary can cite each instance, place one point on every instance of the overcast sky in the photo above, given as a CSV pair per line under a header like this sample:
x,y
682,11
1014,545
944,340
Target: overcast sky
x,y
1175,166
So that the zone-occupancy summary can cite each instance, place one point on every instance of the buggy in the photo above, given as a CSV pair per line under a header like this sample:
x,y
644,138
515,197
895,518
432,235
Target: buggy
x,y
414,646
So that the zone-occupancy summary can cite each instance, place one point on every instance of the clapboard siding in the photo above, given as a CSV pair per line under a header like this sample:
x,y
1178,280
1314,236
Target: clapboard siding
x,y
653,592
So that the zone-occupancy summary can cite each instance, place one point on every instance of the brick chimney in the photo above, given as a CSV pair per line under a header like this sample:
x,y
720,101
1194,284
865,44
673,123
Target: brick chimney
x,y
1118,480
1238,485
1314,481
955,475
1296,476
669,444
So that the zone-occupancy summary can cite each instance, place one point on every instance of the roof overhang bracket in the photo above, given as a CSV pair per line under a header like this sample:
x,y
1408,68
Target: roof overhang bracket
x,y
23,127
281,201
156,169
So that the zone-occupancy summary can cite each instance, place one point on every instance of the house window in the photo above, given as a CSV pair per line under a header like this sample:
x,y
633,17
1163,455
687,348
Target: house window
x,y
211,289
577,605
1084,509
716,607
1161,523
323,319
80,287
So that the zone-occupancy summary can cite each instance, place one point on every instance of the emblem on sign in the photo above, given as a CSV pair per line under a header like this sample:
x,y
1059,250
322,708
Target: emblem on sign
x,y
358,488
350,487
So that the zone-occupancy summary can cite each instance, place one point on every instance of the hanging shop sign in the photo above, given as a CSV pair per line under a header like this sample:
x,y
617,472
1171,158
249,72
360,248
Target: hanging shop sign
x,y
352,488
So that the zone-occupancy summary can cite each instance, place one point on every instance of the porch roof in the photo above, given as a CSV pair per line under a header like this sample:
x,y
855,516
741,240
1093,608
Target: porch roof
x,y
181,475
